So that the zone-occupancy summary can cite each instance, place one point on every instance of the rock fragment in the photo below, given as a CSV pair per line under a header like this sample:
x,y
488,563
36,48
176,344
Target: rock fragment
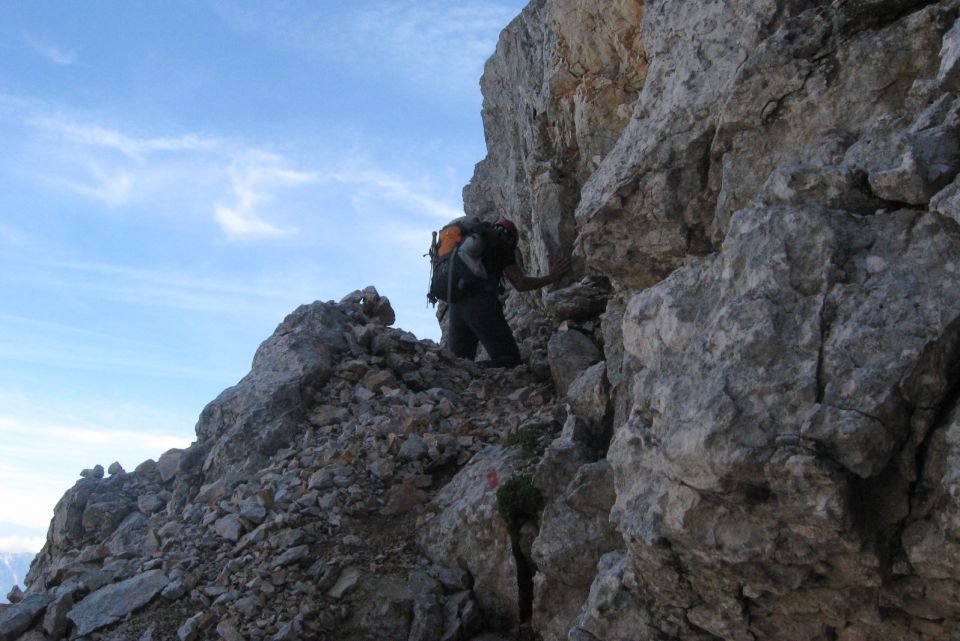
x,y
113,602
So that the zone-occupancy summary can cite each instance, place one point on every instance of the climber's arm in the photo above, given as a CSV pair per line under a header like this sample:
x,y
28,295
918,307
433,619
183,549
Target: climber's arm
x,y
523,283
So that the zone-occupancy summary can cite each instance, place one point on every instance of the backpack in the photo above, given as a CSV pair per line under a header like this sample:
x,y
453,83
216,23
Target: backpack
x,y
456,274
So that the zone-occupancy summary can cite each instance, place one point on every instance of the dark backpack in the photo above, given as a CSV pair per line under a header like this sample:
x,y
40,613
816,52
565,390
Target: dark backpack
x,y
453,276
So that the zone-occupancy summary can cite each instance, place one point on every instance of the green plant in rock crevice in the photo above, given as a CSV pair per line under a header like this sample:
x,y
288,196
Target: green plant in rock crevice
x,y
518,501
528,437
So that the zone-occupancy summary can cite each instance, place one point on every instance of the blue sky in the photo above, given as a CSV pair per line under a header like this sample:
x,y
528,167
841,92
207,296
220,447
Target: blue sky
x,y
176,177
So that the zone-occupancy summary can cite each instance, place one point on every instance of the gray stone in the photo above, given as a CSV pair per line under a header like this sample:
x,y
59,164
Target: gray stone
x,y
372,305
115,468
575,532
55,622
229,527
150,503
427,623
190,629
376,380
291,556
96,472
452,579
169,463
947,201
815,340
148,469
413,448
18,618
570,353
228,631
112,603
949,72
329,415
560,462
483,548
269,401
211,493
175,590
613,609
588,394
248,606
132,538
836,186
104,512
930,160
321,479
345,582
580,302
253,512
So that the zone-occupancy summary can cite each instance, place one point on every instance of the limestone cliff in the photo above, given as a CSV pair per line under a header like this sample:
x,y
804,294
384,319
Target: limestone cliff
x,y
741,418
777,222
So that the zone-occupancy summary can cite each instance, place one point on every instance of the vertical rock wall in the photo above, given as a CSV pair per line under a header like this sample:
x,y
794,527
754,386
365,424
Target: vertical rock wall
x,y
557,95
770,188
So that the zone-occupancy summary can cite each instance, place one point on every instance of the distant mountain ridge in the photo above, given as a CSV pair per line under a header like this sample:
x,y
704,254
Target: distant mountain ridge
x,y
13,567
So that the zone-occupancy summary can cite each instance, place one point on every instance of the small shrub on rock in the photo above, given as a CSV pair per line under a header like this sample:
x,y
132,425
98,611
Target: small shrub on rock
x,y
519,500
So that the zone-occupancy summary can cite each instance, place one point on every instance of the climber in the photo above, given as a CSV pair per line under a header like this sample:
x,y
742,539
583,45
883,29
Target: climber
x,y
478,317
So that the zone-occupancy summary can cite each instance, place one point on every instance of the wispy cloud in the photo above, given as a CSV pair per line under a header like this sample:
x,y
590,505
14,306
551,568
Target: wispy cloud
x,y
113,187
402,190
249,193
254,178
50,51
136,148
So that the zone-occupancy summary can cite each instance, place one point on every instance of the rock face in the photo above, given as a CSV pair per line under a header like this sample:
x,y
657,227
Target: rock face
x,y
740,419
777,223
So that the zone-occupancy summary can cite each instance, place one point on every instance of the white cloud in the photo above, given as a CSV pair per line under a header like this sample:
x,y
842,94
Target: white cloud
x,y
250,194
243,222
255,176
133,147
50,51
391,186
112,187
21,544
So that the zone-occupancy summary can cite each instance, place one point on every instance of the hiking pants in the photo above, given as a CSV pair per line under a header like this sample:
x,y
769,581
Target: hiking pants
x,y
479,319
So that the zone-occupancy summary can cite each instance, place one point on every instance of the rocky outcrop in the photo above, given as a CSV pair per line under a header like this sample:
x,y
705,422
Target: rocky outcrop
x,y
777,224
740,420
557,95
372,514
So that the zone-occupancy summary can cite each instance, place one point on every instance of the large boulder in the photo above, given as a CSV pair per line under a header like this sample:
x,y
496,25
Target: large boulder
x,y
113,602
17,619
775,434
575,532
569,354
250,421
467,530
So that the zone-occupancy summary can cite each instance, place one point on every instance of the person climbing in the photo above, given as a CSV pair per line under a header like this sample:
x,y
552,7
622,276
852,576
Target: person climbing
x,y
476,315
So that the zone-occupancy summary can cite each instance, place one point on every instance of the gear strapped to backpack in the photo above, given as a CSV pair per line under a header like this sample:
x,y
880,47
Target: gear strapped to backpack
x,y
456,268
